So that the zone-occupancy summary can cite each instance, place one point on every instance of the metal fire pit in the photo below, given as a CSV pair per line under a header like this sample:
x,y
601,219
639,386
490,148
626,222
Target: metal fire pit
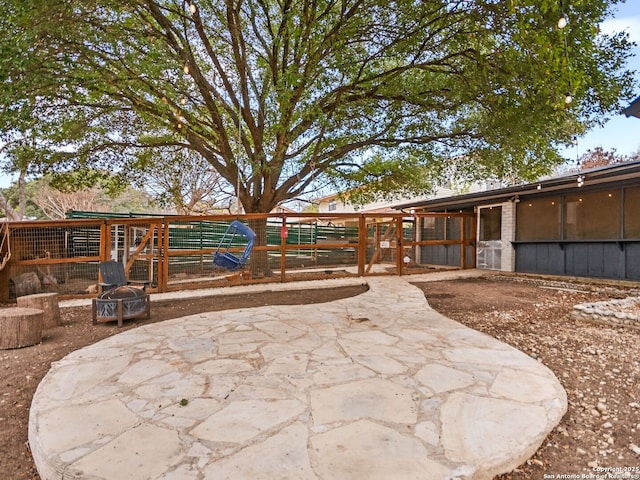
x,y
121,303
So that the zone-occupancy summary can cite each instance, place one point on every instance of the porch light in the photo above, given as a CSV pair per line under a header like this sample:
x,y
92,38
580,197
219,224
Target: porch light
x,y
563,21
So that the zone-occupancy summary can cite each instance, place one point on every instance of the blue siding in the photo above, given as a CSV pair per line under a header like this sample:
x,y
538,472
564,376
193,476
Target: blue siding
x,y
632,261
614,260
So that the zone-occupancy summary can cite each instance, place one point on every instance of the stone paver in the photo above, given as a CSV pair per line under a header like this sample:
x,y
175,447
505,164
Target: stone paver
x,y
376,386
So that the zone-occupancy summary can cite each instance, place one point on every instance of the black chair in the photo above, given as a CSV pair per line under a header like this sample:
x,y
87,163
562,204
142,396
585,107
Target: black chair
x,y
113,276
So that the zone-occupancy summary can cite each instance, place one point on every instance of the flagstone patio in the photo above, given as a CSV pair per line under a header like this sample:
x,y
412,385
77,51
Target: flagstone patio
x,y
376,386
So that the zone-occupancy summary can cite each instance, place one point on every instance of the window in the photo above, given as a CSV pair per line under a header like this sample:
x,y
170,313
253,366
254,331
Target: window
x,y
593,216
490,223
538,219
333,206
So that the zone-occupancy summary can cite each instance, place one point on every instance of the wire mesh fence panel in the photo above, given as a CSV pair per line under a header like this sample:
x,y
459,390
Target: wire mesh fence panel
x,y
136,245
192,246
321,247
182,268
445,240
54,258
170,253
83,241
382,243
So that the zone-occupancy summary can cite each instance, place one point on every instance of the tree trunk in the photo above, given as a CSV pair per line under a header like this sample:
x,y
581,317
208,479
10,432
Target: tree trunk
x,y
20,327
48,303
9,212
22,194
259,260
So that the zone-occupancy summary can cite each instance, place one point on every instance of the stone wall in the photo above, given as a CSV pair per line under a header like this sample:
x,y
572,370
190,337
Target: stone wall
x,y
618,312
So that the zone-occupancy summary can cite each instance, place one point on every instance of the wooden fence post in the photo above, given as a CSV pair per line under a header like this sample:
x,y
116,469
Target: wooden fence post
x,y
4,284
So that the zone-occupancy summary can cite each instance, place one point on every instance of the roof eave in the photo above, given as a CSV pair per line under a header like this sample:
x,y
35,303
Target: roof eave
x,y
591,177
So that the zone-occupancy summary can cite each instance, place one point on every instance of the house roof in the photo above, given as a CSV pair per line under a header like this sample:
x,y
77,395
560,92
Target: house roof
x,y
633,110
592,177
331,196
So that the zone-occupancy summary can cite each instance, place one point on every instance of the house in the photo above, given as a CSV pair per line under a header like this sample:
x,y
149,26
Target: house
x,y
633,110
584,223
337,203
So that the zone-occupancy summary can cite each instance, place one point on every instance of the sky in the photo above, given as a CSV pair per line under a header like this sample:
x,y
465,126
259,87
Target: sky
x,y
619,133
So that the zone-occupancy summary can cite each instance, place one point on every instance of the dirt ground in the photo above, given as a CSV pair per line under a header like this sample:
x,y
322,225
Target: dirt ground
x,y
598,365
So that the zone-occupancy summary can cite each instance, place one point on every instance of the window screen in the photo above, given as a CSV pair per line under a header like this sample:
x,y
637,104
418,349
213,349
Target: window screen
x,y
593,216
539,219
490,223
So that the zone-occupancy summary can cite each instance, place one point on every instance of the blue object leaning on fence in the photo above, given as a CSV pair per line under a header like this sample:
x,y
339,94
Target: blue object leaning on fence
x,y
223,256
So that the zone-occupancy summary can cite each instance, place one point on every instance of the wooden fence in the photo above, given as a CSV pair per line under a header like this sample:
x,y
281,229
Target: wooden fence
x,y
176,252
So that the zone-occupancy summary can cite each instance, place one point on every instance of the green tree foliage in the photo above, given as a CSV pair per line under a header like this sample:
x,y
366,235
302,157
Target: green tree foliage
x,y
281,95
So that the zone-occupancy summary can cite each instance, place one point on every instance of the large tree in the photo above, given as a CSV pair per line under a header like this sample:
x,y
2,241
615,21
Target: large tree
x,y
183,180
279,94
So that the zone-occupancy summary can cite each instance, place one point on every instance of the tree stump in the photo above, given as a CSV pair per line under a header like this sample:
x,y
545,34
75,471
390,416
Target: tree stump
x,y
20,327
47,302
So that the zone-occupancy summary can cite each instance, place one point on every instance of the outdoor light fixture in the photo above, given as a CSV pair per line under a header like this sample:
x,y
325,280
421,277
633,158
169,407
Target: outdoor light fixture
x,y
580,180
192,8
563,20
539,187
568,98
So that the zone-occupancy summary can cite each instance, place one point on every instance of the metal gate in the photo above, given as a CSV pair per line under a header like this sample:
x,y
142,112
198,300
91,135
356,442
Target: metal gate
x,y
137,245
420,243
